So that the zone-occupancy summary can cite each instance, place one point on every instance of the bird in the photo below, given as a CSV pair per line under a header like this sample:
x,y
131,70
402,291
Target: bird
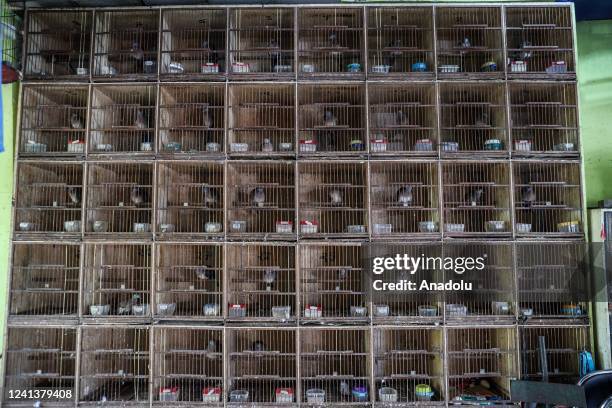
x,y
525,54
326,141
275,54
125,307
528,196
140,122
136,52
206,117
404,196
466,43
392,56
267,146
483,120
210,196
205,273
74,194
212,54
258,345
335,197
475,196
342,274
138,195
75,121
329,119
344,388
401,118
269,278
258,196
333,39
211,349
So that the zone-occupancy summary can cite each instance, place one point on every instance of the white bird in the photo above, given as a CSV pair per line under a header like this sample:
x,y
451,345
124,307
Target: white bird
x,y
74,194
275,54
329,119
269,278
466,43
75,121
528,196
335,197
404,196
137,195
205,273
475,196
140,122
210,197
258,196
211,349
267,146
136,52
258,345
401,118
344,388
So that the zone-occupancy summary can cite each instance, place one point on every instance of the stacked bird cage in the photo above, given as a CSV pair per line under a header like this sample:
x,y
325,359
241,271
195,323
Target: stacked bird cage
x,y
188,365
49,199
261,120
193,44
115,365
262,366
191,120
189,281
59,45
189,199
261,43
45,280
53,120
261,282
330,43
116,282
400,42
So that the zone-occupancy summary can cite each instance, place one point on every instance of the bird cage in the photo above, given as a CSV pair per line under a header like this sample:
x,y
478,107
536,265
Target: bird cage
x,y
408,366
335,366
261,120
544,119
117,281
119,199
553,279
476,198
193,44
45,279
481,363
53,120
400,42
122,119
547,198
261,200
191,120
40,358
189,199
491,299
469,42
333,199
540,42
333,283
403,119
330,43
401,306
115,365
562,346
126,44
49,198
261,282
261,43
188,365
332,120
473,119
189,281
404,199
262,367
58,45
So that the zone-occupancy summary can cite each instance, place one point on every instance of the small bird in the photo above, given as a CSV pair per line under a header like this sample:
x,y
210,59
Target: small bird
x,y
206,117
212,54
269,278
140,122
528,196
125,307
275,54
74,194
483,120
466,43
258,196
342,274
475,196
335,197
525,54
404,196
211,349
210,197
205,273
267,146
329,119
345,389
75,121
138,195
258,346
333,39
401,118
136,52
326,141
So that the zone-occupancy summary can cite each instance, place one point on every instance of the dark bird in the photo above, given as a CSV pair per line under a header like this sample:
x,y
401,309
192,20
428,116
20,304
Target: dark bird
x,y
205,273
136,52
329,119
404,196
275,53
401,118
74,194
206,117
75,121
138,195
326,141
141,121
483,120
267,146
258,346
212,53
333,39
258,196
466,43
528,196
475,196
212,348
342,274
335,197
210,198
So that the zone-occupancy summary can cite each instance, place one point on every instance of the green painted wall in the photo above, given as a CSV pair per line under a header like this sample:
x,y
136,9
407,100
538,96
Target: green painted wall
x,y
595,81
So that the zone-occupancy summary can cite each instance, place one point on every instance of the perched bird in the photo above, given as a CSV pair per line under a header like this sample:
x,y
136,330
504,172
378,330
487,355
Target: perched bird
x,y
206,117
138,195
269,278
205,273
401,118
483,119
466,43
345,389
342,274
211,349
75,121
329,119
267,146
140,122
275,54
528,196
210,197
258,196
333,39
74,194
258,346
404,196
136,52
335,197
326,141
475,196
525,54
125,307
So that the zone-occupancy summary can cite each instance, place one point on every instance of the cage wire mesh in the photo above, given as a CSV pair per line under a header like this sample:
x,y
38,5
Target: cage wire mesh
x,y
11,37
